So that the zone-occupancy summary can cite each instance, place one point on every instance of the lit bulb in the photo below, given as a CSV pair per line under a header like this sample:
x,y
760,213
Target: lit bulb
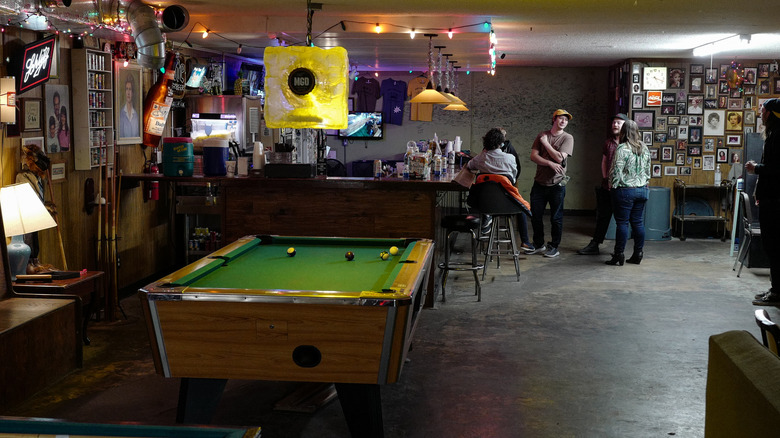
x,y
124,64
376,74
412,34
238,50
449,34
378,28
205,33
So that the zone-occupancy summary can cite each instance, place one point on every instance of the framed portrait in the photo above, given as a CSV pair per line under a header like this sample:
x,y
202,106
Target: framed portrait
x,y
682,145
750,75
749,102
763,70
635,88
714,122
681,107
694,151
710,103
749,90
777,85
672,132
683,120
682,132
735,156
680,160
711,76
735,104
749,117
673,120
695,104
733,140
696,84
723,86
644,119
660,123
685,170
656,171
676,78
635,78
653,153
128,103
31,114
696,120
670,170
637,101
647,138
723,69
763,87
667,109
697,163
660,137
694,135
37,141
749,130
666,153
709,144
735,93
697,69
58,171
708,162
56,119
723,101
710,91
653,98
722,156
733,120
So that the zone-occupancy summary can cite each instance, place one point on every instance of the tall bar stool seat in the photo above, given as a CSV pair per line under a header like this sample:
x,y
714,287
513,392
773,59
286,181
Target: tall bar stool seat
x,y
491,198
454,224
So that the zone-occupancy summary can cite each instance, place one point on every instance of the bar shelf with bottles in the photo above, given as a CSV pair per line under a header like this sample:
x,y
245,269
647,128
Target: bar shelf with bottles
x,y
93,130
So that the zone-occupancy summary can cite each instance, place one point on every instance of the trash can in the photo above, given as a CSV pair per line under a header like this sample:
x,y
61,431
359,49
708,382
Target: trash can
x,y
656,216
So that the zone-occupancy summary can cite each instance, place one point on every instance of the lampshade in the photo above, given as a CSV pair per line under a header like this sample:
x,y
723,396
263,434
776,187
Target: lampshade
x,y
429,95
456,107
23,212
453,98
8,100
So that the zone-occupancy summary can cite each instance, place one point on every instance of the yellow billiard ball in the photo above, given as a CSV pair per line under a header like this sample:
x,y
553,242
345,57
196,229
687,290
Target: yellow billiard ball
x,y
291,252
393,250
384,255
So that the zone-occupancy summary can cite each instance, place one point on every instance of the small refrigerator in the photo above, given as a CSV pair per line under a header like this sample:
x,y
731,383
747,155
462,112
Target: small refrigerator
x,y
235,118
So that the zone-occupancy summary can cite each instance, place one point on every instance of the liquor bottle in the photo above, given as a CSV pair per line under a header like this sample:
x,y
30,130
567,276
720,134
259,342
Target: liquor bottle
x,y
158,103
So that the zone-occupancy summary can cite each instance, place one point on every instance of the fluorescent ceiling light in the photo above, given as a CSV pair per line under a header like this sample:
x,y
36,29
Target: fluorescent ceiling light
x,y
734,42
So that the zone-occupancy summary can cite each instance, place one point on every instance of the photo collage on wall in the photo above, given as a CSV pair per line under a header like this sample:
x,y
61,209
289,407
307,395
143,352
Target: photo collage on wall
x,y
694,117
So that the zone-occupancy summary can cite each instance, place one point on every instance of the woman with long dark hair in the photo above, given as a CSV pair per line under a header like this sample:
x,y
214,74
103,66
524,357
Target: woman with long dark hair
x,y
629,174
768,199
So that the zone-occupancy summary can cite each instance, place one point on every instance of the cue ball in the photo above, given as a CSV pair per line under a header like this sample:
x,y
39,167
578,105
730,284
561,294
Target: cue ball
x,y
291,251
393,250
349,255
384,255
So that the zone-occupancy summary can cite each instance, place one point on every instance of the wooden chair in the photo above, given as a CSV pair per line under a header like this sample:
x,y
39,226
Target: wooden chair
x,y
750,231
770,332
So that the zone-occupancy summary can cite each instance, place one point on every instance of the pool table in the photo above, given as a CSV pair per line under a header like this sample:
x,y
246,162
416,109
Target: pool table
x,y
252,311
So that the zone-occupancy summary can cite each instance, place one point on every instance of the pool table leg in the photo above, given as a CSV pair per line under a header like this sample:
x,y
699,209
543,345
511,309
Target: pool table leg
x,y
362,406
198,400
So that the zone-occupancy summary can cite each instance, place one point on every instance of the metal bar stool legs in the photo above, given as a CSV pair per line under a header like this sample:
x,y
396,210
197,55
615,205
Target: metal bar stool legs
x,y
454,225
495,241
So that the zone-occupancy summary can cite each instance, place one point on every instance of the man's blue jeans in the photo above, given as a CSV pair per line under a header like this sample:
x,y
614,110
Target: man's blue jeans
x,y
628,206
540,197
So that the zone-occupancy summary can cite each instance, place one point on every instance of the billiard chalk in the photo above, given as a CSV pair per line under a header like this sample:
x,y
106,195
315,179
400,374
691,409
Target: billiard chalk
x,y
393,250
349,255
384,255
291,252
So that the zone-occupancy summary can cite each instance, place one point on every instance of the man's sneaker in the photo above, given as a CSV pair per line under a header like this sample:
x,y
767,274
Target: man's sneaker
x,y
527,248
761,295
590,249
770,299
487,223
539,250
552,252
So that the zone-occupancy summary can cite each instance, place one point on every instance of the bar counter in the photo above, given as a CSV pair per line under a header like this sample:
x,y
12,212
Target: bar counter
x,y
387,207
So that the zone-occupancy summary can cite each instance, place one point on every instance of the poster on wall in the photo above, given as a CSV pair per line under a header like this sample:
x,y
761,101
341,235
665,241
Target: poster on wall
x,y
129,104
57,118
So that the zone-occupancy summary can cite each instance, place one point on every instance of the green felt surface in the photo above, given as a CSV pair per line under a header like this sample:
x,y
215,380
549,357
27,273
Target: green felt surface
x,y
319,265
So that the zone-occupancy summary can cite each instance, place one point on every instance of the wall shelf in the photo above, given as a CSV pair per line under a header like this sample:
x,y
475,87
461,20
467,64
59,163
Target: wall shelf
x,y
93,130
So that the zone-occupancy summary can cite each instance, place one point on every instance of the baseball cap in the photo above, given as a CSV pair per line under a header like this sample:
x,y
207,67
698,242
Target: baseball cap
x,y
773,105
620,116
561,112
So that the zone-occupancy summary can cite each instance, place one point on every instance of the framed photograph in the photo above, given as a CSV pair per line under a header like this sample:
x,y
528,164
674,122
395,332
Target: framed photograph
x,y
660,137
711,76
749,90
668,98
128,103
735,104
763,70
682,132
680,160
647,138
710,103
696,84
653,153
676,78
667,109
682,145
694,151
722,156
670,170
723,86
684,120
708,162
695,104
694,135
749,102
710,91
735,93
733,140
735,157
660,123
673,120
723,69
637,101
685,170
709,144
697,163
749,117
635,78
696,120
58,172
714,122
750,75
763,87
653,98
30,141
681,108
57,118
666,153
733,120
697,69
31,114
672,132
644,119
635,88
723,101
777,85
656,171
748,130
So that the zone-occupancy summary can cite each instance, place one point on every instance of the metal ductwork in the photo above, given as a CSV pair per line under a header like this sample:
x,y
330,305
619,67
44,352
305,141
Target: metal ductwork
x,y
147,34
174,18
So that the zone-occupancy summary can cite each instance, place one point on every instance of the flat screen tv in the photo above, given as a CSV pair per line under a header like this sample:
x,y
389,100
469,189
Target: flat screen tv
x,y
363,125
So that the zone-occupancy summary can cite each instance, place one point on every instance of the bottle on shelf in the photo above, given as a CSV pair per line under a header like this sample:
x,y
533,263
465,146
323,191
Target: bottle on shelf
x,y
158,103
718,175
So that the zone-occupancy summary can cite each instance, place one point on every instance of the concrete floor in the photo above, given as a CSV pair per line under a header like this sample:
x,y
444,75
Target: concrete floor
x,y
575,349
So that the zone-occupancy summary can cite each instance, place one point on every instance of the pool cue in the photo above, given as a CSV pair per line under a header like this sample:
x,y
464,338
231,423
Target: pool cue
x,y
100,207
56,221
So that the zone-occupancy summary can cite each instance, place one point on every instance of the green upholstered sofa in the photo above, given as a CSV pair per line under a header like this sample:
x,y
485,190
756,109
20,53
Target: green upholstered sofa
x,y
743,388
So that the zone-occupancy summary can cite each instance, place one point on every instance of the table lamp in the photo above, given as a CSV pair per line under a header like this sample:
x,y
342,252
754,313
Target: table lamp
x,y
8,100
23,212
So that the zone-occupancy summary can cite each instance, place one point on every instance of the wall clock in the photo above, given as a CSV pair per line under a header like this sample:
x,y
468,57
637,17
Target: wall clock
x,y
654,78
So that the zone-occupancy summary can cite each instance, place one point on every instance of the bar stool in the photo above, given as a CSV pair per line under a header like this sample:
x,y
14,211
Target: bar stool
x,y
462,223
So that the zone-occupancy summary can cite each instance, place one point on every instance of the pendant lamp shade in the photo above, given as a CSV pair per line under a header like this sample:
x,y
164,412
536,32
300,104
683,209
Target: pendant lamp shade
x,y
456,107
429,95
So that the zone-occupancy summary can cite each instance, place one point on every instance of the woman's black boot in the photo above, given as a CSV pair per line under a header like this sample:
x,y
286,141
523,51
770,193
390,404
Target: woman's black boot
x,y
636,258
617,259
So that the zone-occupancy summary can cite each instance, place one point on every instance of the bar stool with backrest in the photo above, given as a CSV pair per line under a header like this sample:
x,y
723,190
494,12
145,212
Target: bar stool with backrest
x,y
490,198
751,231
454,224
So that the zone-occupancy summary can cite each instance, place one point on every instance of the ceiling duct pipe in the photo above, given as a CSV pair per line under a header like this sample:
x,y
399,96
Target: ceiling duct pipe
x,y
174,18
147,35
